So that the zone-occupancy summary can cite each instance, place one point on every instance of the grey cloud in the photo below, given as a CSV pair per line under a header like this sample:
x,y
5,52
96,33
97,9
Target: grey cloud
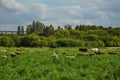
x,y
13,4
98,12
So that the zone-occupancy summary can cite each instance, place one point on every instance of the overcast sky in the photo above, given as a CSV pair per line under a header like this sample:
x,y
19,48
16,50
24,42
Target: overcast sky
x,y
59,12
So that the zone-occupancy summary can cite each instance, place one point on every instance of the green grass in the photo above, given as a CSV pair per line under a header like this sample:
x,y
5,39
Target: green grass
x,y
37,64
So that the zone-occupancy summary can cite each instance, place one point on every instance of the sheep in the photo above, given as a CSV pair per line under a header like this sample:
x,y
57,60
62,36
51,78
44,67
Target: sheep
x,y
3,51
91,54
99,52
18,52
4,56
83,49
94,49
13,54
86,54
54,55
70,57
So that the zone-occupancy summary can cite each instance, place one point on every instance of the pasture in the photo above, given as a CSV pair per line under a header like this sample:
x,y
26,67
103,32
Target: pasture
x,y
38,64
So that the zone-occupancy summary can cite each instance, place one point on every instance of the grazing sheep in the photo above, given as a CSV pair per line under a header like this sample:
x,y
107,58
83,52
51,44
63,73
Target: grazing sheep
x,y
3,51
13,54
83,49
54,55
99,52
91,54
94,49
86,54
18,52
70,57
4,56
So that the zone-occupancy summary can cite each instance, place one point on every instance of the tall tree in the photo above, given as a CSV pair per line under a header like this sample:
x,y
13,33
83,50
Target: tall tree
x,y
49,30
41,27
68,27
33,26
18,30
29,29
22,30
38,27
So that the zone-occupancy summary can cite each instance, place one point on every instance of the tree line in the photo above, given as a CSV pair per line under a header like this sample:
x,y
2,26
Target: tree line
x,y
39,35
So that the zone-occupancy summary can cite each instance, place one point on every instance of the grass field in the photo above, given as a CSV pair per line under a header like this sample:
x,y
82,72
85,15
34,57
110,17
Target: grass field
x,y
37,64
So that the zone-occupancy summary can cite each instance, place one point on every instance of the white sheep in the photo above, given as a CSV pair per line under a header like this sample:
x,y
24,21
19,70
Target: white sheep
x,y
94,49
54,55
18,52
3,51
70,57
4,56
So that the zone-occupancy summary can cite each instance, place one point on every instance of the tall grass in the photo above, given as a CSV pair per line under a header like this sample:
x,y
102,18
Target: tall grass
x,y
37,64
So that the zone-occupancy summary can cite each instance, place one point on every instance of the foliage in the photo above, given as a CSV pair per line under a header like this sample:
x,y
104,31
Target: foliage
x,y
80,36
20,30
6,41
49,30
69,43
31,40
16,39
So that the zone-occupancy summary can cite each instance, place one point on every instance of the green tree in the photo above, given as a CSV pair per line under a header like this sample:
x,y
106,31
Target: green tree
x,y
31,40
18,30
33,26
38,27
59,28
16,39
22,30
62,33
7,41
68,27
29,29
49,30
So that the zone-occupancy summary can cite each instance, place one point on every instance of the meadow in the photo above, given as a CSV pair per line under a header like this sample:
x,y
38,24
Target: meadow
x,y
37,64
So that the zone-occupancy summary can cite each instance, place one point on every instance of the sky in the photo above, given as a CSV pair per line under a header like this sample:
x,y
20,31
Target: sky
x,y
59,13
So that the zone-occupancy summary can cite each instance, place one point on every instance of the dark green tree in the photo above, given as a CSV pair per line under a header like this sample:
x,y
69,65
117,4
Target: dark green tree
x,y
7,41
33,26
29,29
22,30
18,30
49,30
68,27
31,40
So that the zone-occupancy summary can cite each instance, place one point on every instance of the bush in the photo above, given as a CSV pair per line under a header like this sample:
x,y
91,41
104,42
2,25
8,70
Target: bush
x,y
94,44
30,40
16,39
69,43
53,45
7,41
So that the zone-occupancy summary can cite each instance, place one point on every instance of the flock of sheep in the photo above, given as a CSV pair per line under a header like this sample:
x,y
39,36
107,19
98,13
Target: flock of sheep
x,y
83,53
55,55
13,54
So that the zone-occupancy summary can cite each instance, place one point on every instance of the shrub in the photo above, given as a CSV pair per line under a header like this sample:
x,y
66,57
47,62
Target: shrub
x,y
7,41
30,40
69,43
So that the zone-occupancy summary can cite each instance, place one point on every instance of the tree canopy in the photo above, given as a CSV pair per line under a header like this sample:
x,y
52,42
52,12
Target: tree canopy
x,y
39,35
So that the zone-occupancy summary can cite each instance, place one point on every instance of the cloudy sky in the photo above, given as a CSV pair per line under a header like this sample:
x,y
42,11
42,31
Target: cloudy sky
x,y
59,12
